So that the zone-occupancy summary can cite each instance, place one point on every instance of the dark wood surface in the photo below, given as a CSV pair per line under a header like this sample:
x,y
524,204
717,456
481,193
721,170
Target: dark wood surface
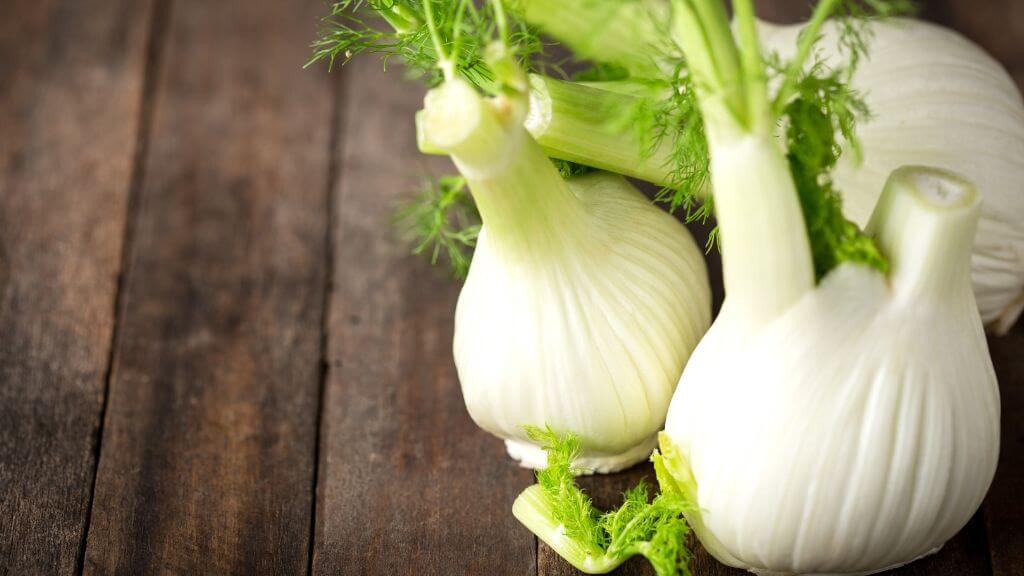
x,y
407,483
71,83
216,357
207,458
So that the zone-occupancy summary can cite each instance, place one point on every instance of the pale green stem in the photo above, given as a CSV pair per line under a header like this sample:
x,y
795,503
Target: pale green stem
x,y
445,63
925,223
401,18
527,209
753,63
460,12
423,136
499,18
701,29
626,86
571,122
807,40
766,256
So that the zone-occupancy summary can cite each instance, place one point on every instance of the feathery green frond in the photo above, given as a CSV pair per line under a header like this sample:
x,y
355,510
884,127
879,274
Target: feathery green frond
x,y
442,220
562,514
855,18
571,506
399,29
820,123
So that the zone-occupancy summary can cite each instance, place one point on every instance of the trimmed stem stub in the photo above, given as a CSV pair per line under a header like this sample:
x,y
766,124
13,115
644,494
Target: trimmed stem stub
x,y
457,121
570,122
925,223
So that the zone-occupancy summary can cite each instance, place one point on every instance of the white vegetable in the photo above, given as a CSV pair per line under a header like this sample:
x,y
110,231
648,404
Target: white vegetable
x,y
583,301
937,99
844,426
868,427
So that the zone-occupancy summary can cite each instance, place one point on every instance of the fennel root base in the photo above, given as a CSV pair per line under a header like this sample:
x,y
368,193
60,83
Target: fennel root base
x,y
893,567
533,457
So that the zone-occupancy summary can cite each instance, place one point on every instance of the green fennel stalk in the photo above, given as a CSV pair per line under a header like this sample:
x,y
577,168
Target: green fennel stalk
x,y
637,114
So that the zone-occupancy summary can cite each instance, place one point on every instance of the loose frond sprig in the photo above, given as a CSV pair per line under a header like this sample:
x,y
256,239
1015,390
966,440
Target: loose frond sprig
x,y
563,515
819,122
854,19
442,221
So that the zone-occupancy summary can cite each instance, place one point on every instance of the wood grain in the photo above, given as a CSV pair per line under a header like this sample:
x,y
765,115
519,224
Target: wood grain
x,y
71,81
208,448
408,484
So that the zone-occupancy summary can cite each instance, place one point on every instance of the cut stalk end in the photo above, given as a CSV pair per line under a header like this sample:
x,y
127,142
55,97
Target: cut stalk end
x,y
479,134
518,191
925,222
571,122
452,116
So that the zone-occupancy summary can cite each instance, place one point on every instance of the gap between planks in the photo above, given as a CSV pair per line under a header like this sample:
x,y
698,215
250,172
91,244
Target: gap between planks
x,y
156,36
335,150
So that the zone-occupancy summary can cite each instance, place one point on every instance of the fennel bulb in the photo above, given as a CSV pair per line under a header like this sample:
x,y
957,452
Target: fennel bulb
x,y
841,427
868,430
937,99
583,300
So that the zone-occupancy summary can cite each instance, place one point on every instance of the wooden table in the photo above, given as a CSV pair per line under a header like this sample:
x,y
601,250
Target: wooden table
x,y
215,356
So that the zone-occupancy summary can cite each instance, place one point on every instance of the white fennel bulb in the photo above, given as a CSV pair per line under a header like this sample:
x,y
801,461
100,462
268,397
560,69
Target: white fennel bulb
x,y
937,99
863,419
838,420
583,300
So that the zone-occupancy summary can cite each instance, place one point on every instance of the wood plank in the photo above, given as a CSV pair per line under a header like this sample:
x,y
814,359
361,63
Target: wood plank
x,y
208,450
408,484
71,83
